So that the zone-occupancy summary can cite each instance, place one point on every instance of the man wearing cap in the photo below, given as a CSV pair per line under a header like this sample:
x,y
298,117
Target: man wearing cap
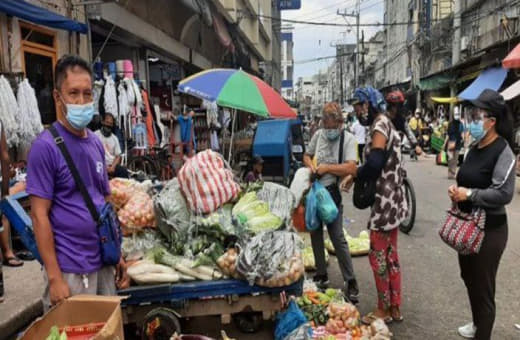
x,y
255,174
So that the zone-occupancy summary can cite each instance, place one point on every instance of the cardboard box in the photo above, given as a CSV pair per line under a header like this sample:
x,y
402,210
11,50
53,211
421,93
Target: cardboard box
x,y
81,310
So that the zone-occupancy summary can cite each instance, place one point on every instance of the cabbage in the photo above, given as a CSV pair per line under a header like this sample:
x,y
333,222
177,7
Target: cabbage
x,y
246,199
264,222
253,209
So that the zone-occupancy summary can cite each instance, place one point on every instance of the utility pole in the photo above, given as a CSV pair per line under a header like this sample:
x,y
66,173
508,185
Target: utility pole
x,y
355,15
455,54
341,78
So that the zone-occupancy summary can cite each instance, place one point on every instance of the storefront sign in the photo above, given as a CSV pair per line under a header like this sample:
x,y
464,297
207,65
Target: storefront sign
x,y
289,4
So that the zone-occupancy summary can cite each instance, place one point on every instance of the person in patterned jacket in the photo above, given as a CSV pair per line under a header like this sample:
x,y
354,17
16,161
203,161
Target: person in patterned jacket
x,y
383,163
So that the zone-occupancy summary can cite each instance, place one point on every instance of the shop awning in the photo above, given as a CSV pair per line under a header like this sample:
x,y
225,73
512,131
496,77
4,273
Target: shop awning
x,y
513,58
512,91
492,78
436,82
41,16
445,100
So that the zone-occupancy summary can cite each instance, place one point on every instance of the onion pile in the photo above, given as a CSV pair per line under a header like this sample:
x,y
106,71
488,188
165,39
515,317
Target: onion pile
x,y
138,212
294,271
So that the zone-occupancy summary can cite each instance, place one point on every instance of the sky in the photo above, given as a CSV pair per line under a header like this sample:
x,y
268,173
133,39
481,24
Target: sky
x,y
312,41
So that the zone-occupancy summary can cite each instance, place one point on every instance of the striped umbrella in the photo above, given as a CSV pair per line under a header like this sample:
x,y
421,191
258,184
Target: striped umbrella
x,y
238,90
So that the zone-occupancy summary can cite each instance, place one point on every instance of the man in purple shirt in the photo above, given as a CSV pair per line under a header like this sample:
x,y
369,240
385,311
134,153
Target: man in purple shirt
x,y
65,231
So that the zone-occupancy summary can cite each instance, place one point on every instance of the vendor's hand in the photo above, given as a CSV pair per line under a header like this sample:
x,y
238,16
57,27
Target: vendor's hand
x,y
58,290
461,195
322,169
418,150
346,183
122,278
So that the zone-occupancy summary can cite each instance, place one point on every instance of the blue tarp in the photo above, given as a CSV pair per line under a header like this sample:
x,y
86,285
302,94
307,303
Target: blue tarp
x,y
491,78
41,16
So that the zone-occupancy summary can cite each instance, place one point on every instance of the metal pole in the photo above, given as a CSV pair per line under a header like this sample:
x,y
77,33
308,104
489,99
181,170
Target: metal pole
x,y
341,78
357,44
234,115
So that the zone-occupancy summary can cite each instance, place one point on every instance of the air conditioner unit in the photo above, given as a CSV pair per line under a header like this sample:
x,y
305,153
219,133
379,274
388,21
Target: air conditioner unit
x,y
464,43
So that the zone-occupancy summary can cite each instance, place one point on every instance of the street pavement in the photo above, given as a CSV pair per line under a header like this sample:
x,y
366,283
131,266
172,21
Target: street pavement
x,y
434,298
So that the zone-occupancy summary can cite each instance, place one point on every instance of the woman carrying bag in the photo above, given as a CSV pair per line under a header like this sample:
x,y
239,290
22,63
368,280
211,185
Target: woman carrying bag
x,y
379,185
486,180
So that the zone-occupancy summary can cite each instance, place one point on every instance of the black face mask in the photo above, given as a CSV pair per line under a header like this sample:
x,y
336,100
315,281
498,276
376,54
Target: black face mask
x,y
106,131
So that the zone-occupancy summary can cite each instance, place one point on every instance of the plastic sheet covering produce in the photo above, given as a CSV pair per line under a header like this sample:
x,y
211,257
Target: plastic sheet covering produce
x,y
280,199
135,247
272,259
172,212
304,332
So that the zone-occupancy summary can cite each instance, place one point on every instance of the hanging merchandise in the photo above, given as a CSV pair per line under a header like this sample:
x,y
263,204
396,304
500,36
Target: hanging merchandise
x,y
211,112
29,119
9,112
139,133
124,108
96,93
149,119
214,141
110,96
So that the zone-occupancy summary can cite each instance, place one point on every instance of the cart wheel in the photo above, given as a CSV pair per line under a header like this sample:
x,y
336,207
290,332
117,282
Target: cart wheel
x,y
160,324
249,322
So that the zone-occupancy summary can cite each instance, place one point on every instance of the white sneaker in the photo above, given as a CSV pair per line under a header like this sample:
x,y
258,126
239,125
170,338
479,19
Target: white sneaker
x,y
468,331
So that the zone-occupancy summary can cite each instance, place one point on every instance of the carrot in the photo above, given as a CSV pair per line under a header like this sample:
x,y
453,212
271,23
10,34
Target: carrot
x,y
314,300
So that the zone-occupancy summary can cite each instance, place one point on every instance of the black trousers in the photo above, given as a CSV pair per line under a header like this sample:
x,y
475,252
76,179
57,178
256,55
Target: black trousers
x,y
479,272
121,172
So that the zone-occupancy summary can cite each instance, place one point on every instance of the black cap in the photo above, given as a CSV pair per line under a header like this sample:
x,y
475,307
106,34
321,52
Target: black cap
x,y
491,101
257,159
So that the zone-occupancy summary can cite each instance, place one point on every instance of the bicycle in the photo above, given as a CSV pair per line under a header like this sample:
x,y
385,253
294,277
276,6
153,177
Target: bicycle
x,y
407,225
156,163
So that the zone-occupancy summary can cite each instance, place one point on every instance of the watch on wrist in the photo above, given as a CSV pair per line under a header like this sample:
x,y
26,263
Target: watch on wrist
x,y
469,192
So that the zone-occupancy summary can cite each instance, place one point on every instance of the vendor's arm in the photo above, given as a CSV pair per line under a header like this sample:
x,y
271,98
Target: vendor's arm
x,y
502,188
376,159
41,174
4,162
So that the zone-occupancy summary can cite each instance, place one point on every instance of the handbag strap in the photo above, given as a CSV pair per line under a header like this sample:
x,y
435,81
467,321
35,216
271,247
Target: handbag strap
x,y
60,143
341,142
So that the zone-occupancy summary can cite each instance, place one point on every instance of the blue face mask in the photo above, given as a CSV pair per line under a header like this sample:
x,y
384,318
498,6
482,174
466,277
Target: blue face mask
x,y
79,116
332,134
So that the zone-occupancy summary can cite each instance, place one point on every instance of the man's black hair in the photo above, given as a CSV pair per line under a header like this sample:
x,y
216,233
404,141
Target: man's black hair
x,y
66,63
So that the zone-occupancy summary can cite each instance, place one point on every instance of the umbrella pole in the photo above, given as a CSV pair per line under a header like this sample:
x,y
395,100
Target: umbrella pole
x,y
234,115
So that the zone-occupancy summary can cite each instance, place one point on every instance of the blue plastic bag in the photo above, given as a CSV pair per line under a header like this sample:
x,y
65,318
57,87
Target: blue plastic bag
x,y
312,220
288,321
327,209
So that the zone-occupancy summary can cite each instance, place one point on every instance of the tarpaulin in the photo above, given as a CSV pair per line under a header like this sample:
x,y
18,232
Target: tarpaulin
x,y
436,82
512,91
492,78
445,100
513,58
39,15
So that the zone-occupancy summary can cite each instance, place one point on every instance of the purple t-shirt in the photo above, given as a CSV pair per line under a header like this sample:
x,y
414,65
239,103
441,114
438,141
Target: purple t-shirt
x,y
48,176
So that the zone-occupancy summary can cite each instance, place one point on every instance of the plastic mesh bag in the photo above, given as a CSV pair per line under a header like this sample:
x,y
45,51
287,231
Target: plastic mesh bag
x,y
280,199
138,212
272,259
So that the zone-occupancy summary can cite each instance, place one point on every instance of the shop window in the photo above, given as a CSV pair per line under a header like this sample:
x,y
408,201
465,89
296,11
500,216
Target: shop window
x,y
38,53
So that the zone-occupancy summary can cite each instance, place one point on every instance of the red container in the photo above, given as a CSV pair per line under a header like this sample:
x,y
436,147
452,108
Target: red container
x,y
299,218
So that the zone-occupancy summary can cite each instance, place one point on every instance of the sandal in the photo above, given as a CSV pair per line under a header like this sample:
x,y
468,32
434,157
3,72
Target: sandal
x,y
371,317
12,261
396,315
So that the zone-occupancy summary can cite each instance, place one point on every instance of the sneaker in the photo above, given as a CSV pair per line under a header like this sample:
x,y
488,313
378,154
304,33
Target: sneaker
x,y
352,292
322,281
468,331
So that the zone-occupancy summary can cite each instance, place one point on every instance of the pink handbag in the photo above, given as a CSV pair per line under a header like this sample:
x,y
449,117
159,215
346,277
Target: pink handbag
x,y
462,231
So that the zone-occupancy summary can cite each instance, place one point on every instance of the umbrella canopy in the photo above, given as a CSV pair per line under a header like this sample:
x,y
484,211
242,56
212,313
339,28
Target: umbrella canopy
x,y
238,90
513,59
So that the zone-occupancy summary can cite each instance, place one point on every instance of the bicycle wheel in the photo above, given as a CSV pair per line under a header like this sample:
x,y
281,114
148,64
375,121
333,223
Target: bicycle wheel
x,y
407,225
144,164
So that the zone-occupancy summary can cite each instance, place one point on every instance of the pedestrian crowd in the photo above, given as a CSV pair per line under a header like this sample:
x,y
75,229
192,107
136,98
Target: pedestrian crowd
x,y
369,157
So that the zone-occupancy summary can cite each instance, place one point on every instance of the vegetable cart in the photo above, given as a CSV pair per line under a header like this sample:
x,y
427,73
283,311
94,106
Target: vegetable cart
x,y
157,309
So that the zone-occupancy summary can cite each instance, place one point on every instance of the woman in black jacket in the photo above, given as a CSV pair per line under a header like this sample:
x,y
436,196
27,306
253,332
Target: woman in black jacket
x,y
486,179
